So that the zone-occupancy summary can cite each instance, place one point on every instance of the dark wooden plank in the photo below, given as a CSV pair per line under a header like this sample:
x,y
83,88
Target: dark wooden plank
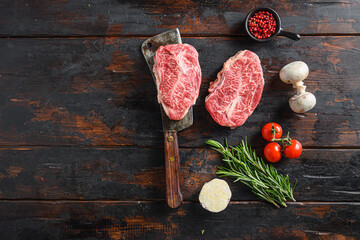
x,y
99,91
111,17
117,220
139,174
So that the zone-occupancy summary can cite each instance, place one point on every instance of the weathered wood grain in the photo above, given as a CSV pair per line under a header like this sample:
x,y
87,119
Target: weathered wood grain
x,y
111,17
99,91
69,105
138,174
142,220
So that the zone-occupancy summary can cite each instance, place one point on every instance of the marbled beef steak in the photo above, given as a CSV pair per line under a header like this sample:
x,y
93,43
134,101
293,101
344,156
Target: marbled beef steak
x,y
178,78
237,90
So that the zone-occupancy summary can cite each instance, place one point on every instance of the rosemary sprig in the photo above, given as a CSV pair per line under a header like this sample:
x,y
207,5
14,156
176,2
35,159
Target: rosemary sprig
x,y
263,179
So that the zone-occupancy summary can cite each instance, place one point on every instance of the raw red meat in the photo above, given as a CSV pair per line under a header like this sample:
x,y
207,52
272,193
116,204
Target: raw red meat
x,y
178,78
237,90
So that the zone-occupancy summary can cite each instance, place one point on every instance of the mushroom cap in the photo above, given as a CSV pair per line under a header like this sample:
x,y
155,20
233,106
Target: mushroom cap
x,y
294,72
303,102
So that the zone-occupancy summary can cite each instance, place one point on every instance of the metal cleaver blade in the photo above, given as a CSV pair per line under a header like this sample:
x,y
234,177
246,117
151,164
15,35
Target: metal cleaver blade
x,y
149,48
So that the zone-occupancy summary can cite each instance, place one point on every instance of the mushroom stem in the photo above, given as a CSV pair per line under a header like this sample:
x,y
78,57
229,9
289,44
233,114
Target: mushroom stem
x,y
300,87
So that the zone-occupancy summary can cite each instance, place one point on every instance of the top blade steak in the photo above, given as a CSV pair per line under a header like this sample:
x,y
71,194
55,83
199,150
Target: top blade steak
x,y
178,77
237,90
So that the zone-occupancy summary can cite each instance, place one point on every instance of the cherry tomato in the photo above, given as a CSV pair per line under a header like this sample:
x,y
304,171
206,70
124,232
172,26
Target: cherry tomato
x,y
272,152
267,133
294,150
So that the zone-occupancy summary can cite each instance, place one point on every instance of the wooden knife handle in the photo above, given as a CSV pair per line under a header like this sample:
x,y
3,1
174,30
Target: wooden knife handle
x,y
174,197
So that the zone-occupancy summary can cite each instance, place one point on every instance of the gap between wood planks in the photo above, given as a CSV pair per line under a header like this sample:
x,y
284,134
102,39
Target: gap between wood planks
x,y
310,147
183,35
150,201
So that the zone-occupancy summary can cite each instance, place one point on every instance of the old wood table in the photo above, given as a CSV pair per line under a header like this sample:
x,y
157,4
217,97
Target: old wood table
x,y
81,139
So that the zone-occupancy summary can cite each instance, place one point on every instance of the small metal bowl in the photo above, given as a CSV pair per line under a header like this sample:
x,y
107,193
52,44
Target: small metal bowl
x,y
278,32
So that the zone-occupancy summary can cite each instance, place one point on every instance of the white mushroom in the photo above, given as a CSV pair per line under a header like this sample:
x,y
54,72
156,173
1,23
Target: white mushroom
x,y
294,73
302,101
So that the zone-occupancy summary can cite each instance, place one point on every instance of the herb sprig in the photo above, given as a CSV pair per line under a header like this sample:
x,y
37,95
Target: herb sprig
x,y
263,179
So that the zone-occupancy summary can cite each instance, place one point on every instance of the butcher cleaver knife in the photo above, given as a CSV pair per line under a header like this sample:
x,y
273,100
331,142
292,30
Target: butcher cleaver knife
x,y
171,127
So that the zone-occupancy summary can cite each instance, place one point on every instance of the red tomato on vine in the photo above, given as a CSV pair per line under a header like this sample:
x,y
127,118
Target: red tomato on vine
x,y
272,152
294,150
269,129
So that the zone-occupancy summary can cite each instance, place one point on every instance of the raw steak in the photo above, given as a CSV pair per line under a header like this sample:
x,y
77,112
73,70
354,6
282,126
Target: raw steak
x,y
178,78
237,90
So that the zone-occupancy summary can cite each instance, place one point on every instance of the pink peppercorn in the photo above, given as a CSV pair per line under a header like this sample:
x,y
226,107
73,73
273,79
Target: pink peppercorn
x,y
262,25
